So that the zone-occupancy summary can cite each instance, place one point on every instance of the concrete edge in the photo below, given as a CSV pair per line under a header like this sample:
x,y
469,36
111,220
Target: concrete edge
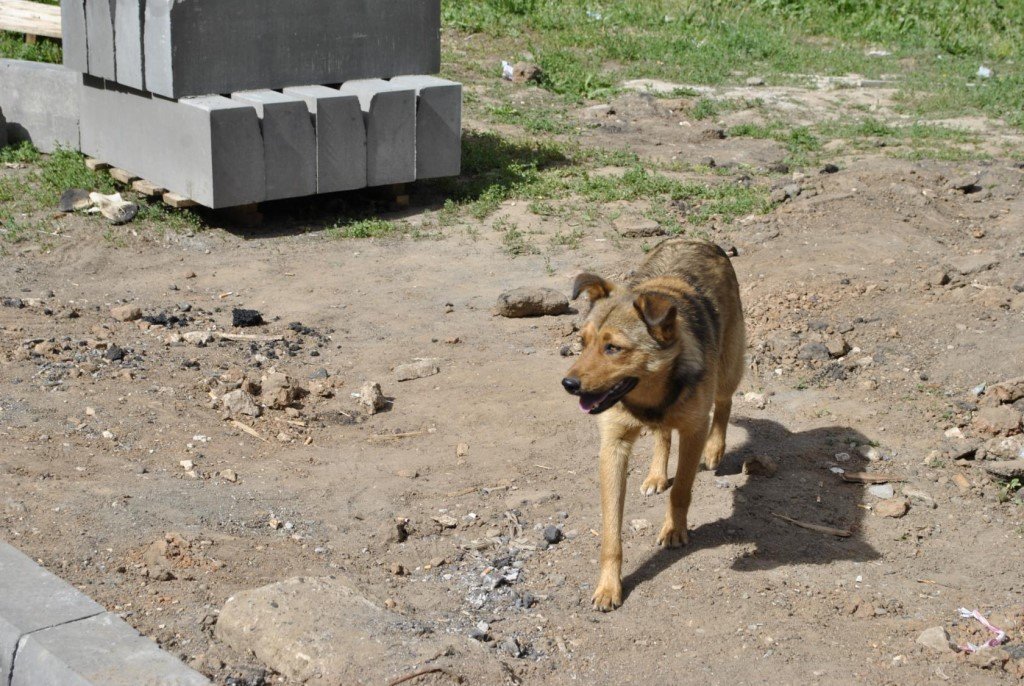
x,y
62,599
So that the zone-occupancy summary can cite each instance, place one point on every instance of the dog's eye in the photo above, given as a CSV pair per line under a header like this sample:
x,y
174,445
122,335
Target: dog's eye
x,y
610,349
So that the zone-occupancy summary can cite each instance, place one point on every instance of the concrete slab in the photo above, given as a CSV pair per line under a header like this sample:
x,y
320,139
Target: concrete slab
x,y
340,137
31,599
208,149
72,22
289,143
438,125
390,115
101,650
197,47
128,18
41,103
99,27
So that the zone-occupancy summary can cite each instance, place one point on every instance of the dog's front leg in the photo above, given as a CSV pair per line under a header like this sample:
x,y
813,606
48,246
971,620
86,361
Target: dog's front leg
x,y
616,444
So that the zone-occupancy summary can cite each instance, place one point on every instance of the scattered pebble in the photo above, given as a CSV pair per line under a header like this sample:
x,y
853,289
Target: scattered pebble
x,y
418,370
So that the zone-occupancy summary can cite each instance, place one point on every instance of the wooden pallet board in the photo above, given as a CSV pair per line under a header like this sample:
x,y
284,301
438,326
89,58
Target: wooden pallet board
x,y
31,18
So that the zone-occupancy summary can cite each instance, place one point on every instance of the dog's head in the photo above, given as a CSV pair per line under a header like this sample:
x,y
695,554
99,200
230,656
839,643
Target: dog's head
x,y
629,340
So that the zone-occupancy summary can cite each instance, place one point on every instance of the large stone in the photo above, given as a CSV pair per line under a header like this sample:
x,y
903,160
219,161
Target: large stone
x,y
1007,391
31,599
98,650
73,35
532,302
438,125
390,115
340,137
418,370
99,26
41,103
208,149
937,638
197,47
319,631
289,143
128,19
1006,469
972,264
1002,420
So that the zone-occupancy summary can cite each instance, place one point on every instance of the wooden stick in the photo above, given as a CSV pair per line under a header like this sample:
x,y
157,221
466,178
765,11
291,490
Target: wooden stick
x,y
413,675
258,338
814,527
868,478
247,429
385,437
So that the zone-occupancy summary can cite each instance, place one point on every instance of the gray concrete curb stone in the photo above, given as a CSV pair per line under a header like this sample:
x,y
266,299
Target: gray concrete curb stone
x,y
41,103
53,635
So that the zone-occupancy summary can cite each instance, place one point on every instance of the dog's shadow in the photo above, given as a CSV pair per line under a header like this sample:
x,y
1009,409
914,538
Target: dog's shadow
x,y
803,489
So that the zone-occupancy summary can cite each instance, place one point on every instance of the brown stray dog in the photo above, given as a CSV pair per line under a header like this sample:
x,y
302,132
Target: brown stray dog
x,y
659,351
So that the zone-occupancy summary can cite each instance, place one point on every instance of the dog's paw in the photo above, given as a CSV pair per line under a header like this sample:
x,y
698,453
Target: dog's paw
x,y
712,460
654,484
607,597
672,537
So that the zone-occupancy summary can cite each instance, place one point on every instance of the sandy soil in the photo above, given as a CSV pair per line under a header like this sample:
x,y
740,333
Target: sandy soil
x,y
91,448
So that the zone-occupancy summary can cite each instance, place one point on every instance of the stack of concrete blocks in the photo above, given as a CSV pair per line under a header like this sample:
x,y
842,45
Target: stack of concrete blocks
x,y
232,102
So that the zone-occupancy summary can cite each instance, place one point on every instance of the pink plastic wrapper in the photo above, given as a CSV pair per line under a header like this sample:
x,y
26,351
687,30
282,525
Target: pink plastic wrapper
x,y
997,640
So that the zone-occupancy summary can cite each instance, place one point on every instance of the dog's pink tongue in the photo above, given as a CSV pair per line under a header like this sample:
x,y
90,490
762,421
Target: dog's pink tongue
x,y
589,402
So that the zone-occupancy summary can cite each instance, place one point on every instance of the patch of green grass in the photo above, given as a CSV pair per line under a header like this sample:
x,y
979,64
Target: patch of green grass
x,y
66,169
802,145
13,46
367,228
533,118
572,240
19,153
1008,489
514,242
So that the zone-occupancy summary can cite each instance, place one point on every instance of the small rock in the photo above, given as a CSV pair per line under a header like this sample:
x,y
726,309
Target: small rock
x,y
920,496
238,403
973,264
989,658
462,449
372,398
74,199
187,465
279,390
870,453
418,369
962,483
640,524
406,473
760,465
532,302
1018,285
707,161
792,191
523,72
895,508
244,318
759,400
837,345
968,183
320,373
397,570
813,351
446,521
755,81
1007,391
829,169
114,353
126,313
552,534
997,421
884,491
1006,469
937,638
229,475
198,338
511,646
635,227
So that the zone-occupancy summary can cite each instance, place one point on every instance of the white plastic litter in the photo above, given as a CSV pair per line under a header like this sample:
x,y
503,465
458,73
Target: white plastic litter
x,y
984,72
506,70
997,640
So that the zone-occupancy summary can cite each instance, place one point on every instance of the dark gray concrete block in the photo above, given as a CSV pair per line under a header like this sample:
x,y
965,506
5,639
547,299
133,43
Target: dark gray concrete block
x,y
41,103
99,27
128,19
208,149
196,47
289,143
31,599
99,651
390,115
340,137
72,22
438,125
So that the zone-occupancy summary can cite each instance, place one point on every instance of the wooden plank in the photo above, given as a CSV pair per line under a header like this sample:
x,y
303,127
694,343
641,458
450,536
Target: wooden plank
x,y
95,164
178,201
148,188
121,175
33,18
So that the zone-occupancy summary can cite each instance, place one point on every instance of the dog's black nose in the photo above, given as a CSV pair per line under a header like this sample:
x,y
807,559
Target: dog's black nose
x,y
571,384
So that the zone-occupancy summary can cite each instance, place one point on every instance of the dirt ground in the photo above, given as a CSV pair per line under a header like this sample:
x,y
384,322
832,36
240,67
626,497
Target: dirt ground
x,y
113,435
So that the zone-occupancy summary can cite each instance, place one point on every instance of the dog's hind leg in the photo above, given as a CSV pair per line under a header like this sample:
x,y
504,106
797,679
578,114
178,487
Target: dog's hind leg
x,y
715,448
657,477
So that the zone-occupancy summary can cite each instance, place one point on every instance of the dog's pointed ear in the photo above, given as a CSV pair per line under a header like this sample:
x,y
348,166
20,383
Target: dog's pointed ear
x,y
658,312
593,285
